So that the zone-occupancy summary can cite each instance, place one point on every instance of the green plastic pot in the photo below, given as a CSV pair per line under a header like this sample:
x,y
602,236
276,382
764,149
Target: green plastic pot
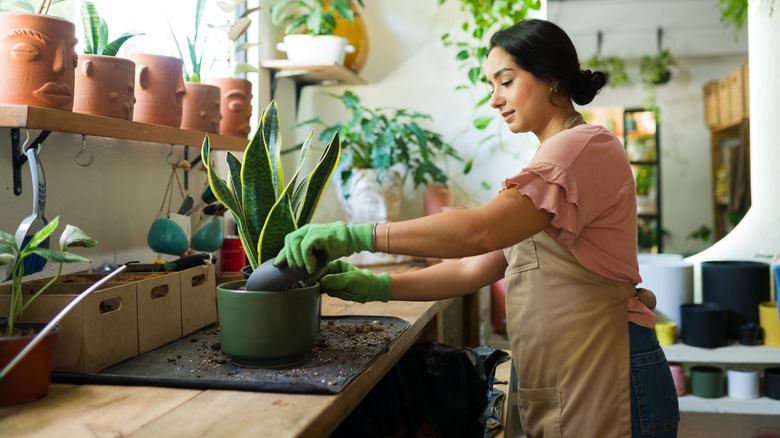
x,y
268,329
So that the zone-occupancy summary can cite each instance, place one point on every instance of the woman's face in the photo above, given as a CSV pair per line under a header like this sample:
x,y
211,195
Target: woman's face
x,y
522,99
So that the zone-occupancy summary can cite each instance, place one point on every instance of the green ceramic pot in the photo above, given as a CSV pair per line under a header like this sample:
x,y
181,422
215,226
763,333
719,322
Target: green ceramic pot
x,y
268,329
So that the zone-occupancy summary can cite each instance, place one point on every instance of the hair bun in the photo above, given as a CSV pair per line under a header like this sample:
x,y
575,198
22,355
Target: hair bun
x,y
589,83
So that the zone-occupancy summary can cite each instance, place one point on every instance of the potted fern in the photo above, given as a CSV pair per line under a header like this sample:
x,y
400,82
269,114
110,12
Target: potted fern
x,y
309,25
104,83
260,328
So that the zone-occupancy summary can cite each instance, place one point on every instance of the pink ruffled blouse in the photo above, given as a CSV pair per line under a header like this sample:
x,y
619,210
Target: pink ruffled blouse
x,y
582,176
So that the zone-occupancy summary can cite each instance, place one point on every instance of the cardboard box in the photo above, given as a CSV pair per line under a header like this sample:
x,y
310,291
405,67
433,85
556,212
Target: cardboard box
x,y
159,310
101,331
198,298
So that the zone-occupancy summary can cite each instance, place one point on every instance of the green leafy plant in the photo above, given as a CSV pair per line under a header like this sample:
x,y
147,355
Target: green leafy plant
x,y
264,207
96,33
655,71
11,254
382,138
703,233
234,29
23,6
645,180
612,66
734,12
193,62
312,17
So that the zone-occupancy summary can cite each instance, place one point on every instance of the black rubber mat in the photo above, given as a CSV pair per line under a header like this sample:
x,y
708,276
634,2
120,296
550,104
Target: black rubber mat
x,y
346,345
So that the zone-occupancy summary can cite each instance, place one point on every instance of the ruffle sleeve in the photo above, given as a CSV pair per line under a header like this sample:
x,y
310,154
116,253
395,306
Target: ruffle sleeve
x,y
552,189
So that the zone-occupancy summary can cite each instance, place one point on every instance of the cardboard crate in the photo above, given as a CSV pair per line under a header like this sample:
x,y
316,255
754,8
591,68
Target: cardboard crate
x,y
101,331
159,308
198,298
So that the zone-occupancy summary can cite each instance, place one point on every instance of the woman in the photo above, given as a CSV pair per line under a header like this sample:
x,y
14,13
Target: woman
x,y
562,233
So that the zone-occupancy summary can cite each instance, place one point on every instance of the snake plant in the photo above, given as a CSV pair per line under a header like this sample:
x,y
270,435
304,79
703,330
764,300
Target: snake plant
x,y
96,33
265,209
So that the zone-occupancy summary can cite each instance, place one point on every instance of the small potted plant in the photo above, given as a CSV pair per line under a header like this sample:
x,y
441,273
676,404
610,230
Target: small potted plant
x,y
382,148
201,102
105,83
308,26
48,81
236,93
269,327
655,71
31,378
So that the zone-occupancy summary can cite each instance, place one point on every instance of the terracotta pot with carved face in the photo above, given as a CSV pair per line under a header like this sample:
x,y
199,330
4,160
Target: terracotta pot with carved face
x,y
201,108
105,86
37,60
159,89
235,105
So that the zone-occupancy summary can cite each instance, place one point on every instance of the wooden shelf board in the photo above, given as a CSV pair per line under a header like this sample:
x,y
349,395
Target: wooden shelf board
x,y
728,405
31,117
733,353
315,73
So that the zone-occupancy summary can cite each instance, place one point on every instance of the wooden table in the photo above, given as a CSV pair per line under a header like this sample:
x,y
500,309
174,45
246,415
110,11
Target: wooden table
x,y
109,411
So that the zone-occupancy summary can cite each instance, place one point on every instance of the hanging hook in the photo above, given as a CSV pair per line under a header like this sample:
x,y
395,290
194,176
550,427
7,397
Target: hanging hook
x,y
83,149
599,39
660,39
168,158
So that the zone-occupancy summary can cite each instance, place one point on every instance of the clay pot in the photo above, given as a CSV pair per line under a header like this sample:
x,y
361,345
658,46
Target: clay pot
x,y
436,197
159,89
30,378
268,329
38,60
105,86
358,38
201,108
235,105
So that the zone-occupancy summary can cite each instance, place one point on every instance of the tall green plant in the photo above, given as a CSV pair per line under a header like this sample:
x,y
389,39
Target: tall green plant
x,y
11,254
194,61
264,207
313,17
96,33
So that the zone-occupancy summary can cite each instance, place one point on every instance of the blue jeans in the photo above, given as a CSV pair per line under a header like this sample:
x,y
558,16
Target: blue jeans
x,y
654,409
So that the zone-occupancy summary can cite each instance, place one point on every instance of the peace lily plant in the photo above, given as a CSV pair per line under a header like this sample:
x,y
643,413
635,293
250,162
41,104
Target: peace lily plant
x,y
264,207
11,254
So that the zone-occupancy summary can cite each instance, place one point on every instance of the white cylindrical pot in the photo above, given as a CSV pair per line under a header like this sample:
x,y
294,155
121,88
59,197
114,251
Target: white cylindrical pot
x,y
320,49
670,278
743,382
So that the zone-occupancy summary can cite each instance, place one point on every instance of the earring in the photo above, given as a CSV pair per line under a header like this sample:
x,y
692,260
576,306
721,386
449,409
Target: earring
x,y
553,88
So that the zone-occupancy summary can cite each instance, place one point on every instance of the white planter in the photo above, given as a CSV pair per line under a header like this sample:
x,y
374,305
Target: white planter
x,y
369,201
321,49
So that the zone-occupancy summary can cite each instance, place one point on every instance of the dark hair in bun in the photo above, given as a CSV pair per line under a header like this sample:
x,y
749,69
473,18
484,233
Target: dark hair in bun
x,y
543,49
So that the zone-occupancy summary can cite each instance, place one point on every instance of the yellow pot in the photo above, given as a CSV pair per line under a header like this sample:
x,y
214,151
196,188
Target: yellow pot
x,y
768,317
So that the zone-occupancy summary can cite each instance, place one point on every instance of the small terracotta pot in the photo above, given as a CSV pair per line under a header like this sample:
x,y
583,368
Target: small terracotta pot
x,y
235,105
436,197
30,378
159,89
38,60
201,108
105,86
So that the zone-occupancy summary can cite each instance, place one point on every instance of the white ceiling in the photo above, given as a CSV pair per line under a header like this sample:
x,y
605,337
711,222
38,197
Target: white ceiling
x,y
629,27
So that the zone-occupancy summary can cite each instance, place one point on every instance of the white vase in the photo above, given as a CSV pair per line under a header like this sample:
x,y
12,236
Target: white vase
x,y
366,200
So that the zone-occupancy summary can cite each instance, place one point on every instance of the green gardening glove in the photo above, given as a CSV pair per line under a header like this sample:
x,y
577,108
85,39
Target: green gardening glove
x,y
354,284
334,239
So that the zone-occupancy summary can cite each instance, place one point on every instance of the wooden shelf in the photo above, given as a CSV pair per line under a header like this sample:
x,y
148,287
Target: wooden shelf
x,y
733,353
728,405
312,73
47,119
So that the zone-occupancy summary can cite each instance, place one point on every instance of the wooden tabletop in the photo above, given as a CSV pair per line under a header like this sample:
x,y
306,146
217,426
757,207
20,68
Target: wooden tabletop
x,y
130,411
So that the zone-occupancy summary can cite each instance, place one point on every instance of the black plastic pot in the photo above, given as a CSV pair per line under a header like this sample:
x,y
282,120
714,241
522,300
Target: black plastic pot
x,y
704,325
739,286
772,382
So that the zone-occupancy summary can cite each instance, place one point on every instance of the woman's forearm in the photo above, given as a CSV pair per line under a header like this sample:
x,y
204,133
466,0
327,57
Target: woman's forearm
x,y
448,279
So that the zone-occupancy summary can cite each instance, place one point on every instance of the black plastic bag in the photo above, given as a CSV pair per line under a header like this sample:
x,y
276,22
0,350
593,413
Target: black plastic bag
x,y
435,390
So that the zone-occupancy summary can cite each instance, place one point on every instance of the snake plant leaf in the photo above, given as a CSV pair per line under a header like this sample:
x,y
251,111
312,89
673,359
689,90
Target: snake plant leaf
x,y
300,189
102,36
91,22
234,166
257,180
273,142
280,223
319,178
113,47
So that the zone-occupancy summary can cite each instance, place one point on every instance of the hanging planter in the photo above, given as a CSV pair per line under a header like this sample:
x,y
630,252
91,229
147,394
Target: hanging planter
x,y
655,71
613,67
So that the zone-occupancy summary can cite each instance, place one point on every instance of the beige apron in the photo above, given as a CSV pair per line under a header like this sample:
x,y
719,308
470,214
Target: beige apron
x,y
569,333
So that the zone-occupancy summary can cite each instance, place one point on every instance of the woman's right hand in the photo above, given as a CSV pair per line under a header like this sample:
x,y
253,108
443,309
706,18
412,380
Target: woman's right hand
x,y
334,239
